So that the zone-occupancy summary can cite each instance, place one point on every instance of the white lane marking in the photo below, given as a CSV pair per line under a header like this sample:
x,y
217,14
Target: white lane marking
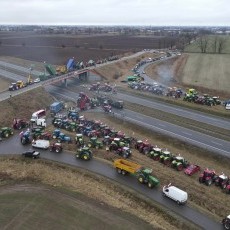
x,y
216,143
175,134
187,133
161,125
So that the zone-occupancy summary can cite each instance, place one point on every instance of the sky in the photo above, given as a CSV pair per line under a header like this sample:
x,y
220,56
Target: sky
x,y
116,12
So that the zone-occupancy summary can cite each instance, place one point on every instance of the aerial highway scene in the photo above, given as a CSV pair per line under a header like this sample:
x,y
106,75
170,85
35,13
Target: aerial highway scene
x,y
115,122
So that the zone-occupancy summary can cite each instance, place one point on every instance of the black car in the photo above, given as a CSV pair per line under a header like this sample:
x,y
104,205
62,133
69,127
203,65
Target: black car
x,y
31,153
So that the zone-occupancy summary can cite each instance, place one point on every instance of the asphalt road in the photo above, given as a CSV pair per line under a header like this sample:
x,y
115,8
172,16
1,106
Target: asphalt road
x,y
107,170
176,110
193,137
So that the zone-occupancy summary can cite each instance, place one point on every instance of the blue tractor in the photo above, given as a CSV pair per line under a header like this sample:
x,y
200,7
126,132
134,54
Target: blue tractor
x,y
26,138
61,137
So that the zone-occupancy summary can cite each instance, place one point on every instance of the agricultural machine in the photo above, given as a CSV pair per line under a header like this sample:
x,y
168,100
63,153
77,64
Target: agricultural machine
x,y
83,101
179,163
79,140
143,147
61,137
143,175
55,147
166,157
155,153
95,143
20,124
84,153
26,137
222,181
5,132
208,177
124,152
226,222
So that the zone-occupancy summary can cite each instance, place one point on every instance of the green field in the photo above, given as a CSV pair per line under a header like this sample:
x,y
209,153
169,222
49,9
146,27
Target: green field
x,y
210,71
194,47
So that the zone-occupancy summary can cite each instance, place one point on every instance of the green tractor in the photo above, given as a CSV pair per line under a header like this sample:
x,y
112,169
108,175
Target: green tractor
x,y
155,153
84,153
5,132
79,140
95,143
179,163
144,177
71,126
166,157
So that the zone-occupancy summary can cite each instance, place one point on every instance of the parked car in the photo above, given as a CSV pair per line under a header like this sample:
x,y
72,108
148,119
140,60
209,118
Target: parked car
x,y
192,169
37,80
41,144
175,193
31,153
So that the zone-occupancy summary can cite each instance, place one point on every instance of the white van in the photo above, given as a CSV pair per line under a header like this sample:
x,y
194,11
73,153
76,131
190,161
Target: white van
x,y
175,193
41,144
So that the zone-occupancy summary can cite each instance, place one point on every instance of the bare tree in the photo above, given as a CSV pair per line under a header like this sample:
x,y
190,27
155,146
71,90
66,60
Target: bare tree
x,y
215,44
221,44
203,44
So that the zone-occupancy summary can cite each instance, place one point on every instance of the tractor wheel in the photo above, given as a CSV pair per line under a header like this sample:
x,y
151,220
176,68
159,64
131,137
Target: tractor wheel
x,y
223,186
6,134
89,145
97,147
180,167
50,149
200,180
125,156
19,127
227,225
73,129
141,179
85,157
123,172
178,202
77,155
54,137
146,151
156,158
57,150
119,170
167,162
208,182
150,185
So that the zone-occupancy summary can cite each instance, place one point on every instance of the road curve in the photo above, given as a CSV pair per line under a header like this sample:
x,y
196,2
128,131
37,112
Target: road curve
x,y
97,166
193,137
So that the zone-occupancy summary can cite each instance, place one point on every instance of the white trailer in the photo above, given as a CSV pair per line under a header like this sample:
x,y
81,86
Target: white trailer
x,y
175,193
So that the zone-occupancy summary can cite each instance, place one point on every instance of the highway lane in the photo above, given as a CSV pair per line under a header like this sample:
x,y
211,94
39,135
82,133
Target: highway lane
x,y
176,110
193,137
7,66
13,146
220,122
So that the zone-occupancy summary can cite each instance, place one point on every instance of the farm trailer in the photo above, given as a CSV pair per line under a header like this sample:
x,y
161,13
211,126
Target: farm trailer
x,y
142,174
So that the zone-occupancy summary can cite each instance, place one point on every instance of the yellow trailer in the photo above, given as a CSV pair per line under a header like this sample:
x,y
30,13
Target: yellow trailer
x,y
142,174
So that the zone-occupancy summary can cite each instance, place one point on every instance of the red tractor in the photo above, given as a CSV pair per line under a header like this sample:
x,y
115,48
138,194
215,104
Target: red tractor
x,y
55,147
20,124
143,146
208,177
83,101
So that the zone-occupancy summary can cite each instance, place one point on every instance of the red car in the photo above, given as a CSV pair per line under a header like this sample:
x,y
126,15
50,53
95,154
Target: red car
x,y
192,169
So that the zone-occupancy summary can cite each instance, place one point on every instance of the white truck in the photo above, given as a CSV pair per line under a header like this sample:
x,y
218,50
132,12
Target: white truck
x,y
41,144
175,193
41,122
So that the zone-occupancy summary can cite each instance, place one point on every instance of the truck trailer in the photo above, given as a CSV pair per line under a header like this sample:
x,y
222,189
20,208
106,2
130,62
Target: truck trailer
x,y
142,174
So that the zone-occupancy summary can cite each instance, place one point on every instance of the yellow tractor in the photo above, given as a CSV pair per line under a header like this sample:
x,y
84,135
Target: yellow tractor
x,y
20,84
61,69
